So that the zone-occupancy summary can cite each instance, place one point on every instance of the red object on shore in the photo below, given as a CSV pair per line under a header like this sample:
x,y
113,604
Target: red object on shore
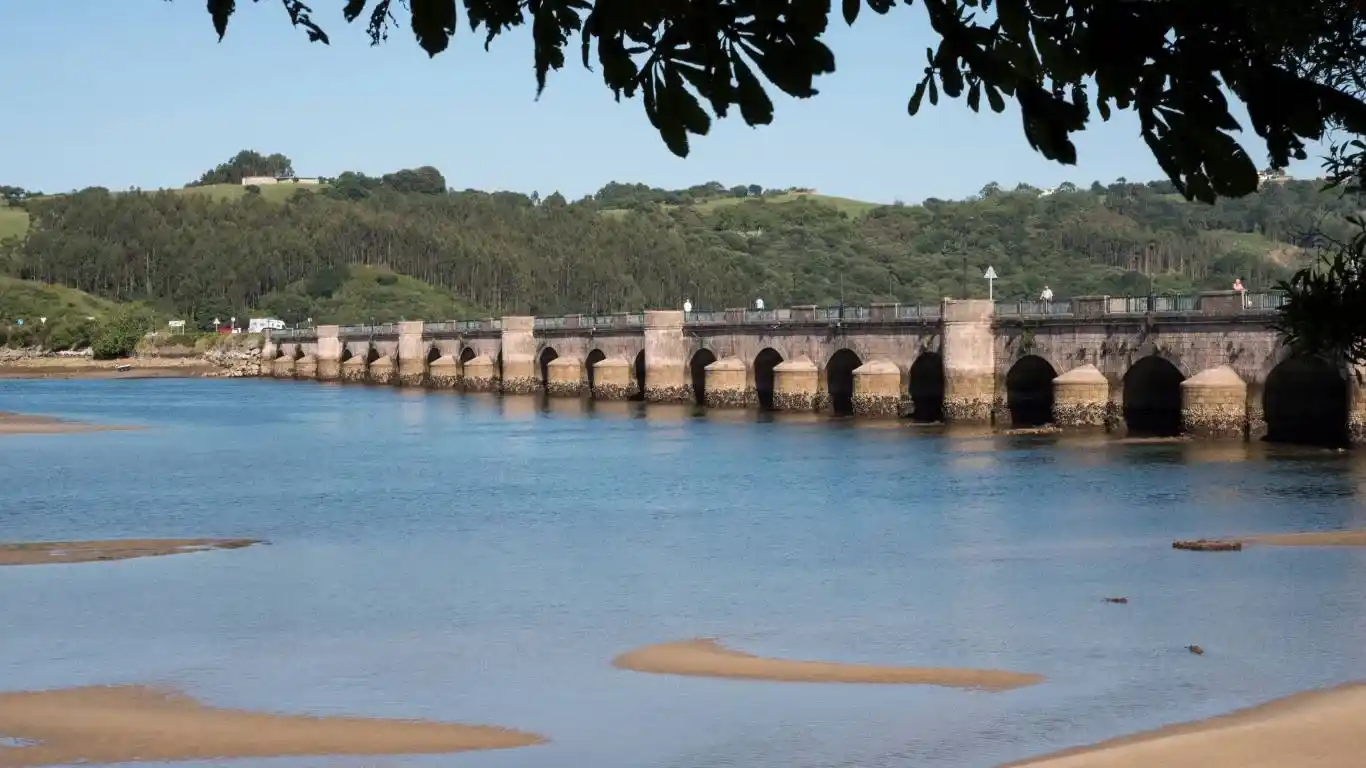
x,y
225,329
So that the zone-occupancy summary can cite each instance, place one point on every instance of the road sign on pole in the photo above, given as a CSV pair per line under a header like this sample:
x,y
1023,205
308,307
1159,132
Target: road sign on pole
x,y
991,283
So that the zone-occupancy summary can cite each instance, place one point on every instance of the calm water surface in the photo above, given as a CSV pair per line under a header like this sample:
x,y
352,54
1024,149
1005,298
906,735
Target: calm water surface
x,y
482,560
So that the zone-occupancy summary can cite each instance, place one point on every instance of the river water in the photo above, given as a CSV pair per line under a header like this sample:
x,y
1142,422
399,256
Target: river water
x,y
482,560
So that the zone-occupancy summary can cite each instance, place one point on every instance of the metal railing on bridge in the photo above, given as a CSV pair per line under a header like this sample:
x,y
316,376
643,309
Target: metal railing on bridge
x,y
1256,303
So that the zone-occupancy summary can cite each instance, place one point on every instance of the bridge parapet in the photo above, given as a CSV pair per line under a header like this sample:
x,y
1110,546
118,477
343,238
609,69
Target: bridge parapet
x,y
1210,303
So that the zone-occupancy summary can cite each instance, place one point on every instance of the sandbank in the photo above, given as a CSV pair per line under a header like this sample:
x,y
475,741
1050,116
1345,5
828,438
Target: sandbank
x,y
86,368
21,424
1318,728
49,552
125,724
1310,539
707,658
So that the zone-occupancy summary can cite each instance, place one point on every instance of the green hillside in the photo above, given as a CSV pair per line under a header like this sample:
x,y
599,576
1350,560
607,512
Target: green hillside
x,y
340,253
272,192
30,300
13,222
364,295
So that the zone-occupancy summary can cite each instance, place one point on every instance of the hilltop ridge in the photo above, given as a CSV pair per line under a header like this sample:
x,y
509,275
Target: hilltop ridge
x,y
220,249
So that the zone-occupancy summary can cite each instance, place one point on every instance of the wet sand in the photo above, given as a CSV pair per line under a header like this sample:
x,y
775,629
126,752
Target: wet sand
x,y
1318,728
707,658
1310,539
86,368
50,552
21,424
118,724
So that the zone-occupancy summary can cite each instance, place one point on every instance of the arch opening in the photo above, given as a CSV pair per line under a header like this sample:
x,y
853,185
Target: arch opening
x,y
1152,397
764,363
1029,392
1306,400
548,356
433,355
640,376
345,354
371,355
298,352
593,359
467,354
927,388
839,381
698,368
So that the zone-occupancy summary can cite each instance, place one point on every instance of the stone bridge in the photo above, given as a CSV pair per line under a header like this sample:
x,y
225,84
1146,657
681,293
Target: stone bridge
x,y
1210,365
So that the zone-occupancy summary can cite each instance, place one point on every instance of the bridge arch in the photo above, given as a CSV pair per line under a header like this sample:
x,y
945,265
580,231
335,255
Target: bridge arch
x,y
927,387
594,357
371,354
764,363
433,354
467,354
1029,391
1152,397
548,355
1306,400
697,368
298,353
640,376
839,381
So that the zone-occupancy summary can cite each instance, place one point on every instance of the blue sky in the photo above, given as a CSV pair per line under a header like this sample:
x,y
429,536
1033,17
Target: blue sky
x,y
126,93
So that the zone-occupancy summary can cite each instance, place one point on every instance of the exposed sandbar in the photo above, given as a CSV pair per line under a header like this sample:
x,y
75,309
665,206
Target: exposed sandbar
x,y
125,724
48,552
21,424
86,368
707,658
1319,728
1310,539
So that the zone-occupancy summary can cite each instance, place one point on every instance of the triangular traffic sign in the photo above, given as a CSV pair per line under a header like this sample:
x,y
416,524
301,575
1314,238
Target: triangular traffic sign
x,y
991,274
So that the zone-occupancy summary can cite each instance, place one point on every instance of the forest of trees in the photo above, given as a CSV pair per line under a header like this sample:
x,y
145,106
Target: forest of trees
x,y
630,247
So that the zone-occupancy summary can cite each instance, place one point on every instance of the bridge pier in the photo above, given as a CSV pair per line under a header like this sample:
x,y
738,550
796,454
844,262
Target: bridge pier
x,y
353,368
329,352
480,374
969,352
1356,404
612,379
877,389
1081,398
795,383
1214,404
519,357
412,354
443,373
666,358
382,370
726,384
564,377
283,367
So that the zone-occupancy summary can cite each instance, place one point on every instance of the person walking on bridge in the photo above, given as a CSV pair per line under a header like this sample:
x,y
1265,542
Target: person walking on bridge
x,y
1047,295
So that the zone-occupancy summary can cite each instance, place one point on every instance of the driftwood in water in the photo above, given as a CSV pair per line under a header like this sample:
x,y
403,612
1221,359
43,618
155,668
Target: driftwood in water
x,y
1209,545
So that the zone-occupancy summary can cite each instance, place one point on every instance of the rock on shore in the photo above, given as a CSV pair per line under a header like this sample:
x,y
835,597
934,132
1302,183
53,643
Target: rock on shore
x,y
235,363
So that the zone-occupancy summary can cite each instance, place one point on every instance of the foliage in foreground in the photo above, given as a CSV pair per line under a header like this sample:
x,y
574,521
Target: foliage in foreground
x,y
1060,61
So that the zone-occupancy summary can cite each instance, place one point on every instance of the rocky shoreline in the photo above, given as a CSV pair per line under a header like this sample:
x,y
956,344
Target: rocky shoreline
x,y
219,362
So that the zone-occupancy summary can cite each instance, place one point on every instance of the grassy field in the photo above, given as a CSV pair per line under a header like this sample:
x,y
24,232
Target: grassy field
x,y
30,300
272,192
13,222
374,294
853,208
